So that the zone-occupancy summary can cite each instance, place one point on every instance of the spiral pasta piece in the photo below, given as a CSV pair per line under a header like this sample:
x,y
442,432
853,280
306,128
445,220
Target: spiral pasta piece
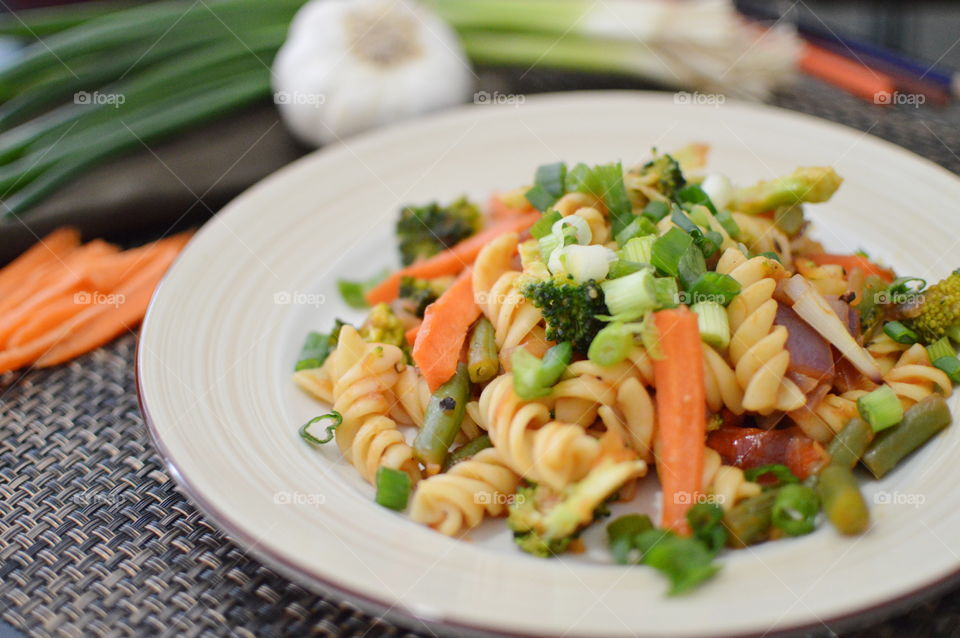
x,y
515,319
761,235
316,382
720,381
456,501
530,441
616,394
757,346
885,351
828,279
913,378
365,375
725,483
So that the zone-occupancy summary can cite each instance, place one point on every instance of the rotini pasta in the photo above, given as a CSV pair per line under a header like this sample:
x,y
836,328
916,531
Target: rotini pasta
x,y
913,379
757,346
365,374
725,483
456,501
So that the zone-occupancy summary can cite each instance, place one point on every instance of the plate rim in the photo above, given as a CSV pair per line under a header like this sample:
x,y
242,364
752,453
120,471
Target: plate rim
x,y
402,615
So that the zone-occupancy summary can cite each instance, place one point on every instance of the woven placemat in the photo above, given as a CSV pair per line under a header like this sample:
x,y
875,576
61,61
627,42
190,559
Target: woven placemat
x,y
95,540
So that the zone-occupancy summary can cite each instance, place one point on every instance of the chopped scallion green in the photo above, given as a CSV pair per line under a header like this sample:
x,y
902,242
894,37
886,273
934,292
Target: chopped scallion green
x,y
713,323
393,488
333,416
881,408
900,333
548,185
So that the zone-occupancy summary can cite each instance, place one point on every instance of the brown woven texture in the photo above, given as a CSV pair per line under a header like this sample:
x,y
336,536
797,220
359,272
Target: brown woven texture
x,y
95,540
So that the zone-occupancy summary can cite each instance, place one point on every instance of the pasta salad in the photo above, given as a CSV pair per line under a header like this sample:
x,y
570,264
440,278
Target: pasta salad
x,y
536,359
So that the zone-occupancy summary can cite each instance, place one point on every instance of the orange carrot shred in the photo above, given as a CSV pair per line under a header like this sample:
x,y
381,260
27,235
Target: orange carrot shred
x,y
849,262
443,332
681,414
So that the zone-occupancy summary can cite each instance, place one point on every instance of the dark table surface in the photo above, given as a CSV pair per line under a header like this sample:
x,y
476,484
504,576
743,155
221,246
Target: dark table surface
x,y
95,540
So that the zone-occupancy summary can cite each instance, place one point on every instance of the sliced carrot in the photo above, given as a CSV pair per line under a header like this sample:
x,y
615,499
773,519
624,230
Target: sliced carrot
x,y
25,354
411,334
444,330
46,319
849,262
102,323
51,249
450,261
681,414
108,273
847,74
500,210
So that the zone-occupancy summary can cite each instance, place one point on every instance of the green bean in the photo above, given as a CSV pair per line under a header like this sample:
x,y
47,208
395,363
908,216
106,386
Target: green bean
x,y
749,520
482,361
850,443
467,450
842,501
443,417
919,424
165,119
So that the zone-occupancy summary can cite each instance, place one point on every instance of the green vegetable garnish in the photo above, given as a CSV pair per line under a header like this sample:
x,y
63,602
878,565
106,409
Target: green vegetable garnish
x,y
353,292
795,509
304,430
393,488
781,473
548,186
881,408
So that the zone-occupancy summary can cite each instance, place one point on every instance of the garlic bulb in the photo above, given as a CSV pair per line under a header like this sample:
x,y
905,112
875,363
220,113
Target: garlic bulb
x,y
351,65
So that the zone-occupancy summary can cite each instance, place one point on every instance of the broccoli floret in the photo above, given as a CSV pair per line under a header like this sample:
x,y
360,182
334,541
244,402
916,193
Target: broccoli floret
x,y
424,231
383,326
938,313
417,294
545,522
669,176
806,184
569,309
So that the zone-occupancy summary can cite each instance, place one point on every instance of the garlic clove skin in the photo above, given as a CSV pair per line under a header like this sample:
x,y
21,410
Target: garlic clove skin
x,y
351,65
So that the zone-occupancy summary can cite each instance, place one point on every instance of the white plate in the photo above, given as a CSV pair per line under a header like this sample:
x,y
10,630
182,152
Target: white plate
x,y
226,325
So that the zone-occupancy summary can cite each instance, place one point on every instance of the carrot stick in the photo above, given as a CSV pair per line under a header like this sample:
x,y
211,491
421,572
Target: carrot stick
x,y
108,273
681,414
46,319
450,261
846,74
102,323
444,330
849,262
51,249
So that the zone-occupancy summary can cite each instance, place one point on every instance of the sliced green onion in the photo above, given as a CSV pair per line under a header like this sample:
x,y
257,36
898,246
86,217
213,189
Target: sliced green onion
x,y
686,562
780,472
315,350
667,291
611,345
526,368
638,227
554,364
468,449
621,533
354,292
900,333
393,488
549,243
789,219
700,215
941,348
573,226
605,182
881,408
706,523
903,287
713,323
694,194
638,249
304,430
951,366
668,249
650,337
622,268
632,296
729,224
543,226
713,286
656,210
795,509
691,267
548,185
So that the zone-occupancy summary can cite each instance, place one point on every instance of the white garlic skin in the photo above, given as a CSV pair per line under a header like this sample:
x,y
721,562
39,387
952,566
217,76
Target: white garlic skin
x,y
327,88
